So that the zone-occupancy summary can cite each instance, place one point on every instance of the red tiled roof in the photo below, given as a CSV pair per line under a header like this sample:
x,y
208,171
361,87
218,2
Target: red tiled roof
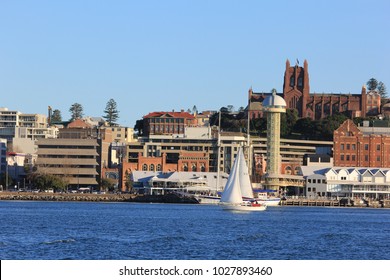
x,y
78,124
184,115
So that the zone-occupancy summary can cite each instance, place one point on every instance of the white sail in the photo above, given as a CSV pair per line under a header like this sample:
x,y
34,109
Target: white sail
x,y
232,192
245,182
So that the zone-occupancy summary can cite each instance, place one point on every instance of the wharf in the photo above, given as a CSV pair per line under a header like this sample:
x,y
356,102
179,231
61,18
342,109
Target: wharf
x,y
335,203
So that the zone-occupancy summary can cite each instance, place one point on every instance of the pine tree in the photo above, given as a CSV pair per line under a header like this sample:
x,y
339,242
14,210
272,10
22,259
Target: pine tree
x,y
372,84
56,116
382,90
76,111
111,113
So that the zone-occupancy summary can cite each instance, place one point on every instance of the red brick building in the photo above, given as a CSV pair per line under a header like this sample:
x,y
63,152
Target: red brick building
x,y
168,122
296,93
355,148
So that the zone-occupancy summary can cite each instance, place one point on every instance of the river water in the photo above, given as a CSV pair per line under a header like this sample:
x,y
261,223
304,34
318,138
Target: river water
x,y
119,231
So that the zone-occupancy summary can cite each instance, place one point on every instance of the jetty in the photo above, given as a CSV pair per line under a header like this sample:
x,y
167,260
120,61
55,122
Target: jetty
x,y
343,202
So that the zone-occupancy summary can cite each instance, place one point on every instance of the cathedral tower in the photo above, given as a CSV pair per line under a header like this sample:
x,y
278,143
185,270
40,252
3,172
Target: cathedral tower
x,y
296,87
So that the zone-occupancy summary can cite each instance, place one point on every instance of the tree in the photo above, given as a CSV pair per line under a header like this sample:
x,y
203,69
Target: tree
x,y
372,84
46,181
139,126
56,116
382,90
111,112
76,111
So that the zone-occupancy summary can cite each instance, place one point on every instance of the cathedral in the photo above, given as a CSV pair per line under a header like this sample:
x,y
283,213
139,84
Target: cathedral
x,y
296,93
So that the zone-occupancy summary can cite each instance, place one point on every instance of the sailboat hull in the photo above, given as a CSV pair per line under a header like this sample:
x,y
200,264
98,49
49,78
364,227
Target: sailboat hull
x,y
244,208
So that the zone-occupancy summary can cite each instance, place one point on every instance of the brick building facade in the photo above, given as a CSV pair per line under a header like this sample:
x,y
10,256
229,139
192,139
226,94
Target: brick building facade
x,y
167,123
296,93
356,148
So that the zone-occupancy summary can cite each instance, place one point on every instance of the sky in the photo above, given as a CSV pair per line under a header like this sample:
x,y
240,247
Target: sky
x,y
171,55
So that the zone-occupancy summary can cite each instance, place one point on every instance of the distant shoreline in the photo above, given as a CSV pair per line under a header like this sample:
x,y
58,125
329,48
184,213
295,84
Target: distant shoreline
x,y
169,198
87,197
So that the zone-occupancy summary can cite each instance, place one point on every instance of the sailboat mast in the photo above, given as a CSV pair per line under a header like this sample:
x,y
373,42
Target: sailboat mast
x,y
248,138
219,152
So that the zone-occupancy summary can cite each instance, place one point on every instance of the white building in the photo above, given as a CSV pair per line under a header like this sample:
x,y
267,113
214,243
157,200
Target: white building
x,y
351,182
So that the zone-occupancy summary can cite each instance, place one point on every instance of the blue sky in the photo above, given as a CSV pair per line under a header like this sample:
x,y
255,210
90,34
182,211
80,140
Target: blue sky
x,y
164,55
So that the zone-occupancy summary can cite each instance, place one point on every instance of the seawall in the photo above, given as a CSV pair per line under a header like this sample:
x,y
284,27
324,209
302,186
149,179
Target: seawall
x,y
26,196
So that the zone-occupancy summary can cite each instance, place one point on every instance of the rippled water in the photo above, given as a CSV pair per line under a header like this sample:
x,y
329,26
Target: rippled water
x,y
92,231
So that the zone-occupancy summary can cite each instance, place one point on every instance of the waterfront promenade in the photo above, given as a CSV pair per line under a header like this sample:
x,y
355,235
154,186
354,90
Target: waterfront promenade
x,y
86,197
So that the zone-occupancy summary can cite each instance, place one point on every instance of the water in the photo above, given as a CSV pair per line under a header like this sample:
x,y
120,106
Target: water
x,y
94,231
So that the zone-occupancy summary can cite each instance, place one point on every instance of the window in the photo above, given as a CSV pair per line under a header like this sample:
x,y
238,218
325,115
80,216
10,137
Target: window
x,y
342,147
314,189
185,167
353,157
309,181
348,146
353,146
366,147
144,167
378,158
323,181
288,170
347,157
366,157
152,167
194,167
378,147
343,178
309,189
158,167
342,157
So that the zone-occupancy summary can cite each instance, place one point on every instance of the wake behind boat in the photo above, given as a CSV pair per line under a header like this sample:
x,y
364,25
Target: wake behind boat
x,y
239,185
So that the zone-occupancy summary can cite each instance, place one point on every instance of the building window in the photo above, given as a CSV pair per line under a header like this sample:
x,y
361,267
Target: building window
x,y
378,147
342,147
309,189
323,181
348,146
366,147
185,167
353,146
194,167
341,157
378,158
366,157
144,167
314,189
152,167
343,178
347,157
158,167
353,157
309,181
288,170
202,168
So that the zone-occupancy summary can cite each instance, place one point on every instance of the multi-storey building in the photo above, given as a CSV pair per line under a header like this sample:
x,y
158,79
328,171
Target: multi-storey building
x,y
79,154
361,146
168,123
75,160
296,93
197,150
14,124
352,182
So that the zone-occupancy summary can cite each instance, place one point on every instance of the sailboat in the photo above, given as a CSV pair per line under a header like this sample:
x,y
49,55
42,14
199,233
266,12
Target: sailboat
x,y
239,186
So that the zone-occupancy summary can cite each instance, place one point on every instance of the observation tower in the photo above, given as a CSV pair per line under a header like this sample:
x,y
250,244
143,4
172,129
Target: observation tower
x,y
273,106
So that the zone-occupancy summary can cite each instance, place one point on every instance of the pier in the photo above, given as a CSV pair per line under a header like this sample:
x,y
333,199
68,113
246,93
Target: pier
x,y
344,202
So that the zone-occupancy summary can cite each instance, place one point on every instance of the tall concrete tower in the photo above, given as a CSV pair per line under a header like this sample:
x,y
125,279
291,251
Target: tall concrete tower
x,y
273,106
